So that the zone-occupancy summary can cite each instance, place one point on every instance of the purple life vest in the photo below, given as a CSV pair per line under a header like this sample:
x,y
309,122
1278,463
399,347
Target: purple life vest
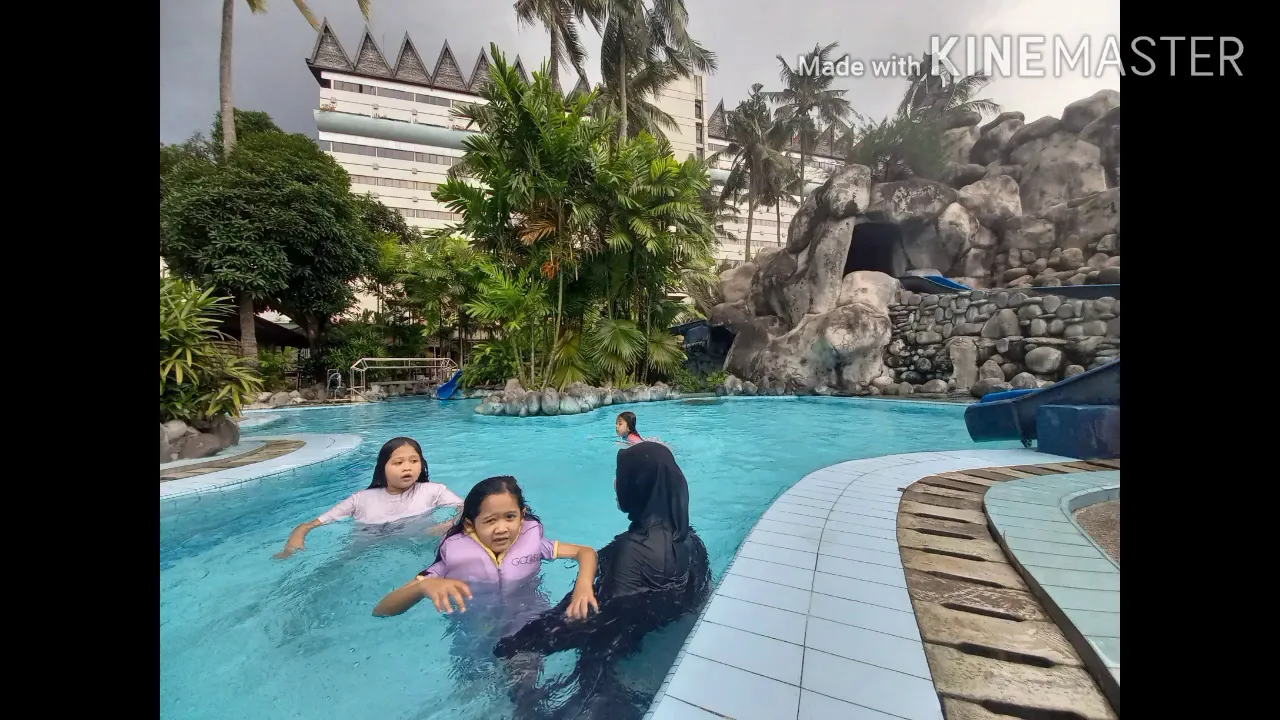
x,y
463,557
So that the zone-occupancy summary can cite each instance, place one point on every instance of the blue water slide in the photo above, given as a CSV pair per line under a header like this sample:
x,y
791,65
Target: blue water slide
x,y
928,284
1011,415
449,387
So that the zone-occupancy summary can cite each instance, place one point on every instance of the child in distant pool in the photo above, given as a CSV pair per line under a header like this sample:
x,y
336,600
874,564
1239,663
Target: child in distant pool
x,y
401,488
626,427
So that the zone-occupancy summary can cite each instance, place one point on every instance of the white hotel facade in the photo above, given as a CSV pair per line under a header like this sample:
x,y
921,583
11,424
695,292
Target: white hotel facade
x,y
389,124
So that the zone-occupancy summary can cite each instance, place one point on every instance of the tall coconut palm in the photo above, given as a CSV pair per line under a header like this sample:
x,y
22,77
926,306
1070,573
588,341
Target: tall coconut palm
x,y
756,143
225,102
933,96
636,33
780,187
642,87
561,19
807,98
248,337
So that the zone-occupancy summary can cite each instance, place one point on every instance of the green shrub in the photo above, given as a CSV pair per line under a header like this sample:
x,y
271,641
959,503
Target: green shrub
x,y
200,377
272,366
691,382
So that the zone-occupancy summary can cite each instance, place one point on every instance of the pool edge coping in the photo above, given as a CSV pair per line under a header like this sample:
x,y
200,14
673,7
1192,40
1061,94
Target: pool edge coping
x,y
317,448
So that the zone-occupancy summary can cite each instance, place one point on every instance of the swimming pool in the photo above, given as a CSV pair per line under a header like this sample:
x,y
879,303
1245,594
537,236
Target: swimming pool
x,y
246,636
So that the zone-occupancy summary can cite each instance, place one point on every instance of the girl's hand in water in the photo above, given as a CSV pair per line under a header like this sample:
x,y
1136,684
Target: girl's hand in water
x,y
291,547
584,598
444,592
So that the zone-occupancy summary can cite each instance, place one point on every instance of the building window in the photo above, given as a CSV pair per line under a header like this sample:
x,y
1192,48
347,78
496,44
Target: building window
x,y
697,109
394,183
429,158
699,132
428,214
397,94
347,86
433,100
701,154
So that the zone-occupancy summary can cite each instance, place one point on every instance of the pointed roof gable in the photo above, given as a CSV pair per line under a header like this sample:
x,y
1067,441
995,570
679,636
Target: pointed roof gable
x,y
369,58
409,67
480,74
447,76
581,88
717,124
519,68
328,52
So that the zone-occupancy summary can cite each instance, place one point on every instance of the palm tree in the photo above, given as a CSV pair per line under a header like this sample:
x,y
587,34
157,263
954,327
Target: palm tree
x,y
756,143
224,61
635,34
780,187
561,18
643,84
932,96
534,156
248,337
806,95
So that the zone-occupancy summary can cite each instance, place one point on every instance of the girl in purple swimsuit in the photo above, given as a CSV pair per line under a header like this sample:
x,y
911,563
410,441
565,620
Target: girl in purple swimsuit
x,y
491,558
497,544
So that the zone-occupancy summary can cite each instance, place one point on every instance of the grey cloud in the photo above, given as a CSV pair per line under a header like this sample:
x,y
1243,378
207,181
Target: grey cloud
x,y
746,35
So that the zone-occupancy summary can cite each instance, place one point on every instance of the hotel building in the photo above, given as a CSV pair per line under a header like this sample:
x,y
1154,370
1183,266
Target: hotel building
x,y
389,124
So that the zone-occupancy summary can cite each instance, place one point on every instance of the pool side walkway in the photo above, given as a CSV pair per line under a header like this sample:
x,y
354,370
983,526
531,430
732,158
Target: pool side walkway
x,y
316,448
813,618
1077,582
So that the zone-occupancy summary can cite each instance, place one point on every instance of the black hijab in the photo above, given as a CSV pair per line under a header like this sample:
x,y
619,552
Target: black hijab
x,y
652,489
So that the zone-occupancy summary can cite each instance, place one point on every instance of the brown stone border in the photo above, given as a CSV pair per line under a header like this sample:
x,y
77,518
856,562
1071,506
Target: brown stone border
x,y
993,650
271,449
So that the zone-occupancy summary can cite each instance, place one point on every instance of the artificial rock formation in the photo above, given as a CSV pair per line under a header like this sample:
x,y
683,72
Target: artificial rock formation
x,y
1017,204
804,324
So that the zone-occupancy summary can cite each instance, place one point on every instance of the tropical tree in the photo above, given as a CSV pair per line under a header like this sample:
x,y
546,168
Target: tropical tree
x,y
519,303
645,80
225,102
636,34
780,186
535,155
756,148
808,99
561,19
934,96
441,275
899,148
274,224
198,381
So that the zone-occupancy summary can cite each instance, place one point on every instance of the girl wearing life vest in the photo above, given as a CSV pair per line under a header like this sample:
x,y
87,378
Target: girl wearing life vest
x,y
497,544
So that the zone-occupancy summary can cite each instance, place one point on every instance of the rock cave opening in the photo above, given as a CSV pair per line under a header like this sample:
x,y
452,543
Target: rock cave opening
x,y
876,246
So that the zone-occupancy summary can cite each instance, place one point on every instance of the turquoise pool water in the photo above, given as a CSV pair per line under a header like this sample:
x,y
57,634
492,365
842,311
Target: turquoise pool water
x,y
245,636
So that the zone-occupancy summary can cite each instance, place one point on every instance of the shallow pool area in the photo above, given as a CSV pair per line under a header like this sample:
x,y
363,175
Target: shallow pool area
x,y
244,635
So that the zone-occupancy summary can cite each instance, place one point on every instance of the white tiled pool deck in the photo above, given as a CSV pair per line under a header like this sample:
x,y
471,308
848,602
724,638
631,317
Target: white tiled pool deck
x,y
812,619
318,448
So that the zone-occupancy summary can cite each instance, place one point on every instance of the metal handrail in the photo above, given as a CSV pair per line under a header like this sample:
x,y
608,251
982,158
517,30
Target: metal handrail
x,y
442,368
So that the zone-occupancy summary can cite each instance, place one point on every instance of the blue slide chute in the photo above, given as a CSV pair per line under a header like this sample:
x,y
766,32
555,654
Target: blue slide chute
x,y
1011,415
450,386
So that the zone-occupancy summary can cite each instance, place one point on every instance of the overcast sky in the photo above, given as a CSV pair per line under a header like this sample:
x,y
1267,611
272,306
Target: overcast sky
x,y
746,35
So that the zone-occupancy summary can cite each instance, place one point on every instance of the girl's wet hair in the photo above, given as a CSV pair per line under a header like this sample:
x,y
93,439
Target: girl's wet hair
x,y
629,418
384,456
496,485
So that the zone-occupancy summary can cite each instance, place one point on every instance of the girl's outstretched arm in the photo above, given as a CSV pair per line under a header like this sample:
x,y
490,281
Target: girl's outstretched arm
x,y
298,539
584,596
442,591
